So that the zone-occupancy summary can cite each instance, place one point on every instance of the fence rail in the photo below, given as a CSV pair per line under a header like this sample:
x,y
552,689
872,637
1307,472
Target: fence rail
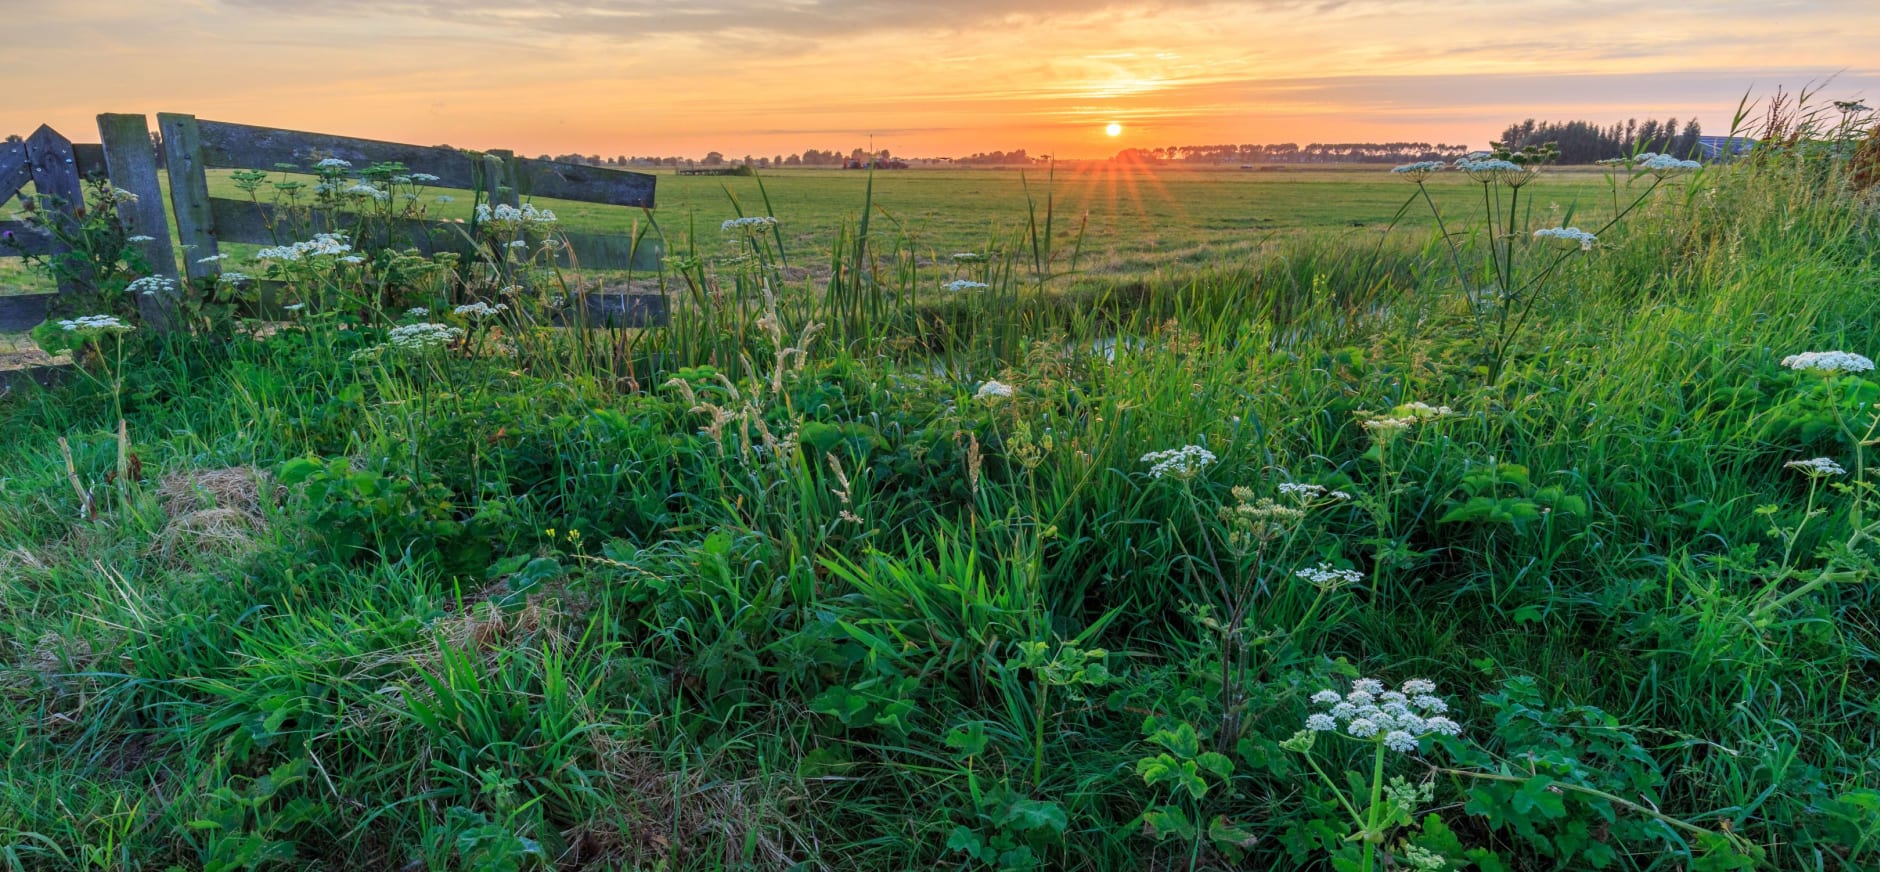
x,y
192,147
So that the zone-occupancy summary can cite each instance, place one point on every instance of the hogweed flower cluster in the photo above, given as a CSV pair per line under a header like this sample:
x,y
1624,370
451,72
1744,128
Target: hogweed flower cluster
x,y
1828,362
1182,463
967,257
505,215
1660,165
749,223
1567,236
1398,719
95,323
479,310
994,390
1327,578
1309,492
321,244
152,286
423,336
1816,467
958,285
1420,170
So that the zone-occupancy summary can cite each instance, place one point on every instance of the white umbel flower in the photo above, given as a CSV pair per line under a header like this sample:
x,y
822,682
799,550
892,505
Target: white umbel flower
x,y
95,323
1828,362
994,390
1816,467
1184,463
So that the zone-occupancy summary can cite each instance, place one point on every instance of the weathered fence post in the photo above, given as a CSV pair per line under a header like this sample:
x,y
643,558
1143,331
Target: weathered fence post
x,y
499,169
133,168
55,175
189,192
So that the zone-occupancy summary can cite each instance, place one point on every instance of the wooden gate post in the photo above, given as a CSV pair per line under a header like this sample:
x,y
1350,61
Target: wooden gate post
x,y
133,168
189,192
55,175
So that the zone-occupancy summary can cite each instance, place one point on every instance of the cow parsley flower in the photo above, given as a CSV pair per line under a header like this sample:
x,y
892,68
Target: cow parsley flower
x,y
364,190
479,310
993,390
445,199
294,307
152,286
333,163
417,312
1395,719
212,258
423,336
1567,236
1818,467
235,278
967,257
1307,492
1182,463
1662,165
749,222
958,285
140,238
123,196
320,244
1420,170
95,323
352,260
425,178
1828,362
503,214
1325,577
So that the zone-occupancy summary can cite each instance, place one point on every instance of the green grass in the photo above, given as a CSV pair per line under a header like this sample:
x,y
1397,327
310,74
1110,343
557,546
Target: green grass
x,y
1132,222
689,599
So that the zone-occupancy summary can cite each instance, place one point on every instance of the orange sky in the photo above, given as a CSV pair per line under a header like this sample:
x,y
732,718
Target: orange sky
x,y
926,78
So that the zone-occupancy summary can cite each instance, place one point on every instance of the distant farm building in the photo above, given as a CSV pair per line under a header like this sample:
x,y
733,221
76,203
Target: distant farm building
x,y
1717,147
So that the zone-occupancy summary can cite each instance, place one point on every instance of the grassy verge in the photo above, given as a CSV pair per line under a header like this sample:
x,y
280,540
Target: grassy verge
x,y
848,572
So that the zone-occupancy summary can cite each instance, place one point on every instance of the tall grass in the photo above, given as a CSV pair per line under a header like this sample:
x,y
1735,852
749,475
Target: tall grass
x,y
781,586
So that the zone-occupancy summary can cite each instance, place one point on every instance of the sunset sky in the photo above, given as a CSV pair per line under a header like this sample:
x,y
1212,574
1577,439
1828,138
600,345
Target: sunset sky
x,y
764,77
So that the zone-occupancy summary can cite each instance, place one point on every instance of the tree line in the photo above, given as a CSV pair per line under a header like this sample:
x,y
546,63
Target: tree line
x,y
1583,142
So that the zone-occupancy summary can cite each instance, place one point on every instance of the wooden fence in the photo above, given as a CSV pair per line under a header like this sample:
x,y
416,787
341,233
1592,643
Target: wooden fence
x,y
193,147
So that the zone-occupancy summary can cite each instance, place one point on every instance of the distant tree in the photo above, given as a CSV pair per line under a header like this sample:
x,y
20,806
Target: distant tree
x,y
714,159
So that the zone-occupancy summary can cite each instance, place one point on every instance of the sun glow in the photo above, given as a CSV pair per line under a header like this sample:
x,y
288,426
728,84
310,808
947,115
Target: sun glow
x,y
1114,129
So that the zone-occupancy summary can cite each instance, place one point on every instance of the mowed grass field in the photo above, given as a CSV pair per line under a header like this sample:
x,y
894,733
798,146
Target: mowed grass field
x,y
1130,221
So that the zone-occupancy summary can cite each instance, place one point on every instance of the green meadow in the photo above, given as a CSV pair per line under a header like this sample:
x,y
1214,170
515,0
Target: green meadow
x,y
1130,221
1230,521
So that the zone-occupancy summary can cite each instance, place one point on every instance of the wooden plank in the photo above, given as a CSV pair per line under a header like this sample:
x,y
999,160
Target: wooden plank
x,y
19,238
264,224
588,184
14,171
189,191
133,168
24,311
55,176
247,146
12,380
88,157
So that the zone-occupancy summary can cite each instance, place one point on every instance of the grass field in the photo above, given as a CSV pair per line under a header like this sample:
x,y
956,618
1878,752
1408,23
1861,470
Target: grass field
x,y
1131,222
1291,545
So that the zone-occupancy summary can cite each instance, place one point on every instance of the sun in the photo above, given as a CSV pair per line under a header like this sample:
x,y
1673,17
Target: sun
x,y
1114,129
